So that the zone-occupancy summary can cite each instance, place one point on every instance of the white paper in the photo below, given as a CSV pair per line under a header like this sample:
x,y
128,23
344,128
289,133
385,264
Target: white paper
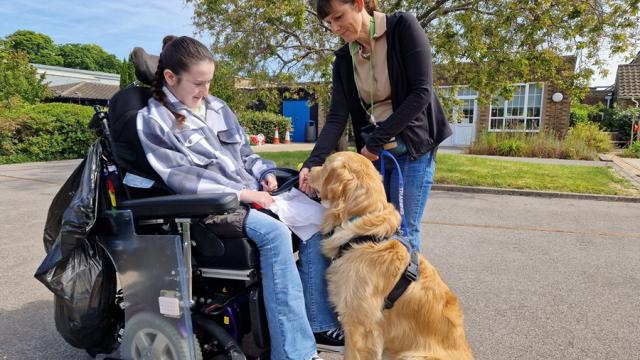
x,y
301,214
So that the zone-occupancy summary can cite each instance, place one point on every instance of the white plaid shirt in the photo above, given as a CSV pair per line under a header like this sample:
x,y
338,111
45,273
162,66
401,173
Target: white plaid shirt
x,y
209,155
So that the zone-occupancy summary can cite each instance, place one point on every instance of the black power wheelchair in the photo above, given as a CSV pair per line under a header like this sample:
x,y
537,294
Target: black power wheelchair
x,y
177,288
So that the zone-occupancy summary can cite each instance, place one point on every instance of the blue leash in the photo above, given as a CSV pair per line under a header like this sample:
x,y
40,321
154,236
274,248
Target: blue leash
x,y
403,224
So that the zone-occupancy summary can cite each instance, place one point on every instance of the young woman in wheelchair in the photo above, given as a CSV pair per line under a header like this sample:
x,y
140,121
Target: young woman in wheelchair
x,y
194,142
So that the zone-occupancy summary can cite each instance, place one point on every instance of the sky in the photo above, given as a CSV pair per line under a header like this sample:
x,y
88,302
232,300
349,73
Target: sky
x,y
118,25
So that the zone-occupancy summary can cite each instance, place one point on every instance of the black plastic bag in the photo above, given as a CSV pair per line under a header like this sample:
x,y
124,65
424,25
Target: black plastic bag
x,y
77,269
71,215
90,318
58,205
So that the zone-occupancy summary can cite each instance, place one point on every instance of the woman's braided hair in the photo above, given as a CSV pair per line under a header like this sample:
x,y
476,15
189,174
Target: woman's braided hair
x,y
178,54
324,7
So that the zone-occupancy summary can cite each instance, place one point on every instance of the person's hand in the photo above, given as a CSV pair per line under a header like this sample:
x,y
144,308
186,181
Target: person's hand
x,y
303,181
269,183
369,155
262,198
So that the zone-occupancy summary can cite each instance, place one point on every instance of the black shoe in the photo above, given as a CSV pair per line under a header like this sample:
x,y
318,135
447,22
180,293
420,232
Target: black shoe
x,y
330,341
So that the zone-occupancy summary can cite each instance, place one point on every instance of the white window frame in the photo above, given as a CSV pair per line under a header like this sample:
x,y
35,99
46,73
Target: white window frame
x,y
455,109
524,116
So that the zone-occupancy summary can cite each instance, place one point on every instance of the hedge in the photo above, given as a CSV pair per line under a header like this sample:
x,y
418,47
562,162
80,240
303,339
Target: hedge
x,y
56,131
41,132
261,122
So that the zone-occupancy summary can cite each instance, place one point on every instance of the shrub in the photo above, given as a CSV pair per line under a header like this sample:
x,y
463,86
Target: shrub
x,y
510,147
19,80
583,113
632,151
543,145
7,129
616,120
256,122
591,135
485,144
50,131
577,149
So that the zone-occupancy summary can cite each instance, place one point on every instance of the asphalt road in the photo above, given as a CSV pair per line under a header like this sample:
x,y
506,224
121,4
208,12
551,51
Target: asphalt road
x,y
537,278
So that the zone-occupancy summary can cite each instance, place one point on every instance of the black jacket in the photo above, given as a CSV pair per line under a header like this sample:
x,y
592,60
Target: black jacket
x,y
417,115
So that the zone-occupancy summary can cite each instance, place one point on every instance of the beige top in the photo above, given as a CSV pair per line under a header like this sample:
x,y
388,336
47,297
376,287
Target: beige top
x,y
382,93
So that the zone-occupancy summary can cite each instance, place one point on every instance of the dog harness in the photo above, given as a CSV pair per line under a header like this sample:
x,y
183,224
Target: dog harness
x,y
410,274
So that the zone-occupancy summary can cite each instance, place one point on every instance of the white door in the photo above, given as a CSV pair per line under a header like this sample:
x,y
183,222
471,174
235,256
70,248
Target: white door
x,y
464,125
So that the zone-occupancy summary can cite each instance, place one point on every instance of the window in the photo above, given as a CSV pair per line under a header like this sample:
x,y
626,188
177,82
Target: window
x,y
466,111
459,102
522,113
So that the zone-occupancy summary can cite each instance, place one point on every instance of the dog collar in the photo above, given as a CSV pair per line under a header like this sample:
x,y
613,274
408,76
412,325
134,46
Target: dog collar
x,y
356,240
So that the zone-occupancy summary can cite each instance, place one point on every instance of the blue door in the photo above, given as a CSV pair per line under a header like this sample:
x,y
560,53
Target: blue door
x,y
299,112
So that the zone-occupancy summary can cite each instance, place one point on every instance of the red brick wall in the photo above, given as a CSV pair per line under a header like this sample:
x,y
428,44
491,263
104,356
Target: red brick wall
x,y
555,116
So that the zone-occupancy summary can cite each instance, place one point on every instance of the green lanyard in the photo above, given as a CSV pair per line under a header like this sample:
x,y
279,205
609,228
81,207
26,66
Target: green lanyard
x,y
372,81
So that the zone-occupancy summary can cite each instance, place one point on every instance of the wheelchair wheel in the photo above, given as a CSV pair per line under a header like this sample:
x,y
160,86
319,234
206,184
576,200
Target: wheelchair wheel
x,y
149,336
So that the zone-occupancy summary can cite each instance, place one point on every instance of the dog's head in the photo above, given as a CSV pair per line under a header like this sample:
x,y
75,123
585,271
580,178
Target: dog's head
x,y
351,188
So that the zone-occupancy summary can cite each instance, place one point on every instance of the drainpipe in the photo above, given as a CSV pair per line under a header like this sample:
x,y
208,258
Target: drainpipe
x,y
633,122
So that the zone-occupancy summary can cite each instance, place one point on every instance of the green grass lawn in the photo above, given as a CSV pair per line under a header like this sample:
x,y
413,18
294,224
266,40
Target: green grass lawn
x,y
288,159
476,171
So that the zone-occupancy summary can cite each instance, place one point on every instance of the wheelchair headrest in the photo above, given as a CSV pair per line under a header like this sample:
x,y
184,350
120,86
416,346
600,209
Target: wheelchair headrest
x,y
125,104
145,65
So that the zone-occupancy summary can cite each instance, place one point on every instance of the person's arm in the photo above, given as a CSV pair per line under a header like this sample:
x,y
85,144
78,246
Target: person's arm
x,y
416,55
335,123
174,167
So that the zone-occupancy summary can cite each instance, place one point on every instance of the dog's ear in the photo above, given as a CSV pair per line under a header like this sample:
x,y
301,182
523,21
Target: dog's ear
x,y
316,178
338,181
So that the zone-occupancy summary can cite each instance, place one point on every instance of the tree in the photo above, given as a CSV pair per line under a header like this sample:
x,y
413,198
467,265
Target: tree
x,y
39,47
19,81
42,50
487,44
223,86
127,72
88,57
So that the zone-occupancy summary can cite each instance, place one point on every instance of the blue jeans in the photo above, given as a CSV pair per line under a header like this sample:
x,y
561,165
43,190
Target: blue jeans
x,y
313,266
418,178
291,335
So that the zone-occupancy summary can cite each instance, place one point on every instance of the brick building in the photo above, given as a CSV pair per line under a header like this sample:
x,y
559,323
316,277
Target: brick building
x,y
627,86
535,106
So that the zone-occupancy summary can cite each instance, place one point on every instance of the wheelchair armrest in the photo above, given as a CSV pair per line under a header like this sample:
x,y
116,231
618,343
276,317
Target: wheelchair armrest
x,y
176,206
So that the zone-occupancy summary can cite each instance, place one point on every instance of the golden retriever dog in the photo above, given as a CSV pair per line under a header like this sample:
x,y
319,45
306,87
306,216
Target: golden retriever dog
x,y
426,322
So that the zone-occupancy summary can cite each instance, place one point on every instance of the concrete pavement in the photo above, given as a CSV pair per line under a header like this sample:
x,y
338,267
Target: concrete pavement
x,y
540,278
537,278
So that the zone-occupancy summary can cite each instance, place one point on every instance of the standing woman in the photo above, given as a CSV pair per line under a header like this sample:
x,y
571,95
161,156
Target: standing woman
x,y
382,79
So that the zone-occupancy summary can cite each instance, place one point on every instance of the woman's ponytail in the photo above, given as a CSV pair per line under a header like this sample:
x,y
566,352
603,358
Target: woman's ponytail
x,y
160,96
371,6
